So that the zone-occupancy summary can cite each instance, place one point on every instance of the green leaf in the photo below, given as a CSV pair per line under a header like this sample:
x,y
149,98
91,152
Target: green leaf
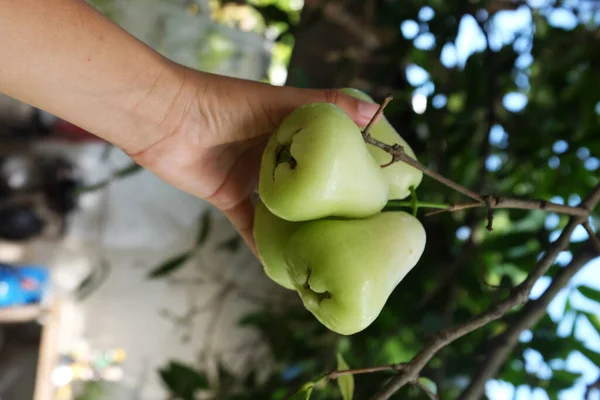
x,y
304,393
564,379
205,224
232,244
124,172
594,320
429,385
169,266
589,354
272,14
345,382
568,306
182,381
92,390
590,293
456,102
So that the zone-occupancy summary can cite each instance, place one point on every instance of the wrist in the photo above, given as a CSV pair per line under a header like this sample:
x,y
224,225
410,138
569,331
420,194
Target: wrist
x,y
160,107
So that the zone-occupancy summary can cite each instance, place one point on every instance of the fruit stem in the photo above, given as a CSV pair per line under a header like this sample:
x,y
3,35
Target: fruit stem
x,y
367,131
414,201
415,204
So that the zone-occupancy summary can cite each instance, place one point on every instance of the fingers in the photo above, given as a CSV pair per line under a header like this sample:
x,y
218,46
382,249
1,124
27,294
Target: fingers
x,y
242,109
242,218
360,111
277,102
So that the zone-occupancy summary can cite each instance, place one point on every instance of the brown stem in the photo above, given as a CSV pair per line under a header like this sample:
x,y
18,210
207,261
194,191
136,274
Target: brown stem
x,y
518,296
398,154
501,346
592,235
367,131
490,213
590,387
518,204
392,367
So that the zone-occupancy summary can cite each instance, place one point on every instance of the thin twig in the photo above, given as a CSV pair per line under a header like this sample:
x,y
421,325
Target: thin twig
x,y
519,295
497,202
590,387
358,371
502,345
447,273
490,201
592,235
455,207
490,213
367,131
392,367
398,154
336,13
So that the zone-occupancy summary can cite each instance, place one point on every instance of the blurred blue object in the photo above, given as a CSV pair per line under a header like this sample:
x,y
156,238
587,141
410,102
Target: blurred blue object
x,y
22,284
291,373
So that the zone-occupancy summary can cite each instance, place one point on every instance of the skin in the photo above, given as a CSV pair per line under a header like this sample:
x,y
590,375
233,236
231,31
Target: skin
x,y
331,172
202,133
346,269
400,176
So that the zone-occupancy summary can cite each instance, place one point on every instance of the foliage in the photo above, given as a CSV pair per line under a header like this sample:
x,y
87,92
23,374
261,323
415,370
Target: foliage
x,y
473,131
182,381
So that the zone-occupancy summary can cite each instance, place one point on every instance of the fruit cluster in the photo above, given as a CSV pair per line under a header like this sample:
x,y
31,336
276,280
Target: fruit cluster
x,y
320,228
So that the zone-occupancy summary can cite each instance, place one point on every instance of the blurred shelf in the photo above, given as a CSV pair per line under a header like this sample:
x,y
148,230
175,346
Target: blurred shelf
x,y
49,352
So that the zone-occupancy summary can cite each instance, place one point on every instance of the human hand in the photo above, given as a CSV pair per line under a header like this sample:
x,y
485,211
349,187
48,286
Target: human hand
x,y
215,133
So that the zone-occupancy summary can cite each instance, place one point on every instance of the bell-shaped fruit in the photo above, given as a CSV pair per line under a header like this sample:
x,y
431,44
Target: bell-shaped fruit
x,y
346,269
316,164
271,234
400,175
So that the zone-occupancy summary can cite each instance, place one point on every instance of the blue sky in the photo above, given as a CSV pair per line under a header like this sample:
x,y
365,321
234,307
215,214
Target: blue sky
x,y
514,28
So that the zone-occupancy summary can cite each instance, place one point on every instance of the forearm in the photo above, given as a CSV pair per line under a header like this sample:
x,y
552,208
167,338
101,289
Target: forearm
x,y
64,57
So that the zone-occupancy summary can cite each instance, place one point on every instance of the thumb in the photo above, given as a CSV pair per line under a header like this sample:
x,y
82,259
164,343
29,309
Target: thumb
x,y
360,111
283,100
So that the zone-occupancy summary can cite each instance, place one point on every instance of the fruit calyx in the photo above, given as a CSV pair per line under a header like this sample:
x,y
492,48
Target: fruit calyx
x,y
320,296
284,156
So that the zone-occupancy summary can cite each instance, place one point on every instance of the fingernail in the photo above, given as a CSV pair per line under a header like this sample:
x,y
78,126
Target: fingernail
x,y
366,111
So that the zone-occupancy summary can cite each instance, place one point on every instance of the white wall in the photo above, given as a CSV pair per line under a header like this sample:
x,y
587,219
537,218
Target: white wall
x,y
136,224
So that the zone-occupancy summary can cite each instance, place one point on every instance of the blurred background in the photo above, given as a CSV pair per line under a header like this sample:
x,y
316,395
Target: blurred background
x,y
115,285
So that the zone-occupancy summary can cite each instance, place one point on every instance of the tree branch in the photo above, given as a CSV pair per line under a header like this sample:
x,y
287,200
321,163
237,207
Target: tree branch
x,y
398,154
448,272
589,388
592,235
490,201
518,296
503,344
514,203
335,374
335,12
367,131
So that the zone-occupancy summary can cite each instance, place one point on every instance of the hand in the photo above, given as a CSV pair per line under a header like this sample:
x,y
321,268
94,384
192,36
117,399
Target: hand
x,y
202,133
219,126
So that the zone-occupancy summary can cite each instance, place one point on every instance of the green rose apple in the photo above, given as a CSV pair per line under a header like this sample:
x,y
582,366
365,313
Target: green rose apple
x,y
271,234
401,176
345,269
316,164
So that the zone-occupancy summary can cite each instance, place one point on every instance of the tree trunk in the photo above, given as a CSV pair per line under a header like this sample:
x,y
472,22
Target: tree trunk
x,y
333,43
